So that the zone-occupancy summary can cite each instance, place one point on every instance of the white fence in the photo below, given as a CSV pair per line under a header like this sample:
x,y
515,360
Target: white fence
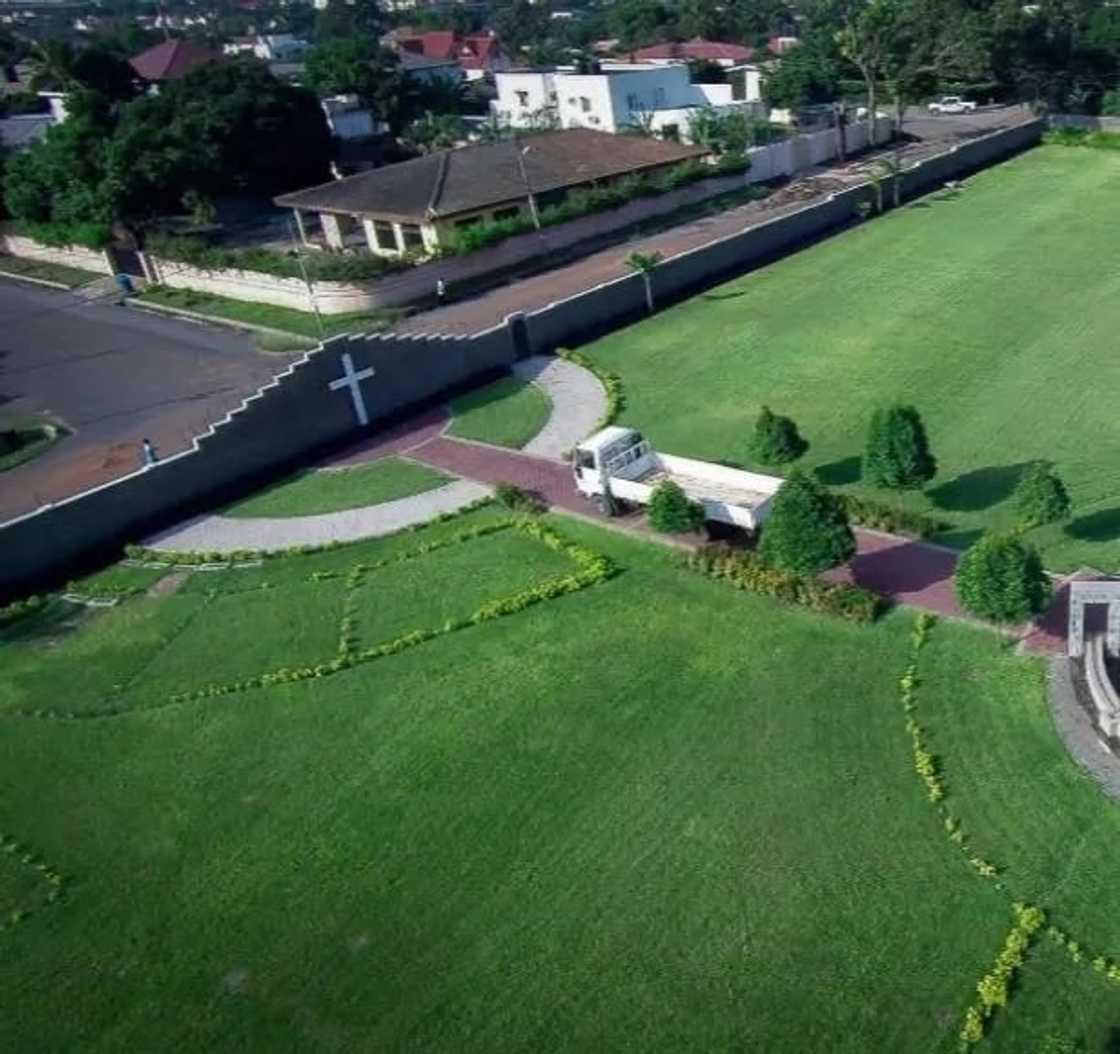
x,y
70,255
799,152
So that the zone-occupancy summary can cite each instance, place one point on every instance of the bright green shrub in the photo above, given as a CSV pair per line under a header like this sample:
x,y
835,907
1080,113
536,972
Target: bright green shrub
x,y
1001,579
808,529
880,517
671,512
1040,497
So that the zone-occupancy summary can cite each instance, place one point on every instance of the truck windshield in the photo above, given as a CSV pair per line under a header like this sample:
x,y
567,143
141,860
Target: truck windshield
x,y
585,459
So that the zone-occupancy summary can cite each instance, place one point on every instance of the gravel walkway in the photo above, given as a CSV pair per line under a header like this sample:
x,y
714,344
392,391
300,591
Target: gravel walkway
x,y
1076,729
578,403
223,534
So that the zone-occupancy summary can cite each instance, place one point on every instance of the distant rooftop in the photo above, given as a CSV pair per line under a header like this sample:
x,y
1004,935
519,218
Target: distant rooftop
x,y
173,59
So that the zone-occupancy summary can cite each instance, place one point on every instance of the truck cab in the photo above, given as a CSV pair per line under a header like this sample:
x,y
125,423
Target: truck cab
x,y
607,453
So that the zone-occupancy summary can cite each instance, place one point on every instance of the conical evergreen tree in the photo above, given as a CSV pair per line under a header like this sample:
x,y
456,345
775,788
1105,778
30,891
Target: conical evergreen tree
x,y
807,530
897,455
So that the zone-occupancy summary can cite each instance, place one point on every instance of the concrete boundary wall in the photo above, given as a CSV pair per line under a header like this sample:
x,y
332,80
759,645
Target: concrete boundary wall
x,y
297,414
279,425
69,255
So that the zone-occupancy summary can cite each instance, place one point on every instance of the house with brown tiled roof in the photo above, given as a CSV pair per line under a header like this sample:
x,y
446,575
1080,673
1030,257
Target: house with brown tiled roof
x,y
414,206
172,60
477,53
695,50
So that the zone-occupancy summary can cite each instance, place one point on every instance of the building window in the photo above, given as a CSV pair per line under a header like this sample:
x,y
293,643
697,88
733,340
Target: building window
x,y
632,101
506,214
552,97
585,104
470,221
522,99
383,235
413,239
671,132
659,97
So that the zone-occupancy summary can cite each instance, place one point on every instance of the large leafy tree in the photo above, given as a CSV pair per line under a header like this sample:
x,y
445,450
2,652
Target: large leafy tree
x,y
520,23
868,35
361,67
807,74
639,22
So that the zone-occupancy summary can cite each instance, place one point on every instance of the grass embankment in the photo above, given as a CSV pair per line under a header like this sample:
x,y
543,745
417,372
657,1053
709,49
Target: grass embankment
x,y
507,413
298,323
22,267
991,310
25,438
317,491
606,825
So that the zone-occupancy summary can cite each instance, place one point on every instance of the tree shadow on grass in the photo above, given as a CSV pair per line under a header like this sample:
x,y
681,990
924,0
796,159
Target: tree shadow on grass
x,y
839,473
723,296
1102,526
980,489
961,539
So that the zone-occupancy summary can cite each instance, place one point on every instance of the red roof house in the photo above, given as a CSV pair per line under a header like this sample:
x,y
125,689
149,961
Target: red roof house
x,y
476,53
695,50
172,60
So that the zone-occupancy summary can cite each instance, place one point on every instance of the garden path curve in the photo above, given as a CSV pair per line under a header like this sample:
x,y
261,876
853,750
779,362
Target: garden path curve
x,y
579,403
225,534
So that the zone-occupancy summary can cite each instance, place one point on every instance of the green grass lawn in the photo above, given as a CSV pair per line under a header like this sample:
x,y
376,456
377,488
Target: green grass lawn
x,y
595,824
298,323
22,267
29,437
316,491
994,311
508,412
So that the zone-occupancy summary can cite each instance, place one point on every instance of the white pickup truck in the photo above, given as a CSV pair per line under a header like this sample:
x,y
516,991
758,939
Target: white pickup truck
x,y
952,104
620,461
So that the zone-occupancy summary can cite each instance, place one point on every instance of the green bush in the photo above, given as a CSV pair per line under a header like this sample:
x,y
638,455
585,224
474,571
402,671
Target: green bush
x,y
1110,103
897,455
1082,137
88,235
749,572
514,498
1001,579
881,517
10,440
1040,497
323,266
671,512
808,529
776,439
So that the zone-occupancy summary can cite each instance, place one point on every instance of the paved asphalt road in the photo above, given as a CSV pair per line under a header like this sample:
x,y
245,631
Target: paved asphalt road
x,y
112,376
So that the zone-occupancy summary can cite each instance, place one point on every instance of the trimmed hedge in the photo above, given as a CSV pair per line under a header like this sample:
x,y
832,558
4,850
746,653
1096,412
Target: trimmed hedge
x,y
19,609
61,235
881,517
326,267
746,570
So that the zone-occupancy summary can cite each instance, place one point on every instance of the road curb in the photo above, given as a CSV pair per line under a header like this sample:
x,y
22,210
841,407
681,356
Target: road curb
x,y
49,283
216,320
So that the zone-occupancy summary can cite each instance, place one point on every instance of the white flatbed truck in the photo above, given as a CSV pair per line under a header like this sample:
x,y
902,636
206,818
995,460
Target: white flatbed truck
x,y
618,464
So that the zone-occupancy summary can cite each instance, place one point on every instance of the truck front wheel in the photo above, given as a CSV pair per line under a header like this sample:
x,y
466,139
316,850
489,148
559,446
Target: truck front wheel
x,y
603,505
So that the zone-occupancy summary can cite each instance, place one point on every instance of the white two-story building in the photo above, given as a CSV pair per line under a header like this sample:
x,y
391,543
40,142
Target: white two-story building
x,y
616,97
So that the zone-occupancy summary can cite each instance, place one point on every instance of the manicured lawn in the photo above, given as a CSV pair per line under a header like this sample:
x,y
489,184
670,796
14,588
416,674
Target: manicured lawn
x,y
621,819
508,412
22,267
994,311
298,323
316,491
32,437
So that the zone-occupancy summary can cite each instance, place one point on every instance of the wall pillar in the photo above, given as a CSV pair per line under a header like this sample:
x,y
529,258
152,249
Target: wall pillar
x,y
331,230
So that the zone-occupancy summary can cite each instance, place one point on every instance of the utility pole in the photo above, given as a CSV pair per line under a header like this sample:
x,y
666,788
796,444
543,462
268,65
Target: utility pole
x,y
521,152
306,279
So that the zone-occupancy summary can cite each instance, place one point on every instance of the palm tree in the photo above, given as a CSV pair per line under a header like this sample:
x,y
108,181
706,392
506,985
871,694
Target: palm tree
x,y
54,63
891,168
645,264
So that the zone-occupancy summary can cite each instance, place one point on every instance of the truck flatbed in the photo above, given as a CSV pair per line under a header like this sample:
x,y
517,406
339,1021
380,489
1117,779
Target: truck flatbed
x,y
705,489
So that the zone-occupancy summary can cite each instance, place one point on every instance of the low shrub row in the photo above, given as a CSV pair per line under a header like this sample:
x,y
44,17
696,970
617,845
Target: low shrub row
x,y
925,764
1082,137
748,571
1107,968
611,382
61,235
53,879
18,609
591,568
594,199
881,517
993,989
325,267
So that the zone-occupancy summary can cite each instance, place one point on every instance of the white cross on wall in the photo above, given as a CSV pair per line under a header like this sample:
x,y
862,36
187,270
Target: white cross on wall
x,y
353,380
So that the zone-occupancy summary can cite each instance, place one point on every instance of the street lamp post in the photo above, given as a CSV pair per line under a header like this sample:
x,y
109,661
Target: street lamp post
x,y
521,151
